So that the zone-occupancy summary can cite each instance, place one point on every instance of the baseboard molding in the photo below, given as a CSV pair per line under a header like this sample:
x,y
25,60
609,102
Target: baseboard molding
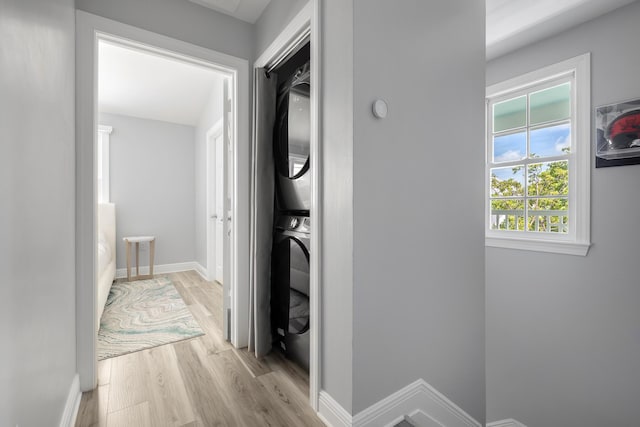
x,y
121,273
72,405
331,412
422,403
203,272
506,423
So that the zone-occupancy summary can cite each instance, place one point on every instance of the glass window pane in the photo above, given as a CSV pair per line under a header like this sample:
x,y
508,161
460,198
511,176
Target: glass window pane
x,y
548,215
507,214
548,179
507,182
550,141
507,148
551,104
510,114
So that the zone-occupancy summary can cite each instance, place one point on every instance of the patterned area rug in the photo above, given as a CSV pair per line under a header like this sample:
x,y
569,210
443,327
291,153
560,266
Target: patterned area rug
x,y
143,314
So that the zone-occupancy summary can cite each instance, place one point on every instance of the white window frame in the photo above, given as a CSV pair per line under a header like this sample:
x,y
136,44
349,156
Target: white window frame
x,y
577,240
102,164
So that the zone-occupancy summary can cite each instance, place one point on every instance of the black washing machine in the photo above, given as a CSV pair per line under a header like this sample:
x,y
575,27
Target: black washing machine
x,y
290,287
291,142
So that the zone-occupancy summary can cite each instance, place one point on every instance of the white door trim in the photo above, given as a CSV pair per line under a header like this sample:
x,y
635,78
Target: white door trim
x,y
212,133
309,19
89,29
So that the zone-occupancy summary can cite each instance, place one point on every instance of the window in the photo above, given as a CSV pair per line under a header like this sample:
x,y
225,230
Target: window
x,y
103,163
538,166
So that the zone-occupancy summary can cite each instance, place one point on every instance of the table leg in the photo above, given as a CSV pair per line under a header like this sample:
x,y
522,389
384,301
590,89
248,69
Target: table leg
x,y
152,250
128,245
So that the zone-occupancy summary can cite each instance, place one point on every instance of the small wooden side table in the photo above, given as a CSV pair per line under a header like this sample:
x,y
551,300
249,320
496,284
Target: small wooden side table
x,y
152,247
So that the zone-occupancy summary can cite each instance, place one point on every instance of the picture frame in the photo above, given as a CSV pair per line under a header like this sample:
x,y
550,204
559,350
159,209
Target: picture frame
x,y
617,134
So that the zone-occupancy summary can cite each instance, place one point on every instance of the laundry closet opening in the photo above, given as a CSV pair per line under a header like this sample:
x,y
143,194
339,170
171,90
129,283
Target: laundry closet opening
x,y
281,223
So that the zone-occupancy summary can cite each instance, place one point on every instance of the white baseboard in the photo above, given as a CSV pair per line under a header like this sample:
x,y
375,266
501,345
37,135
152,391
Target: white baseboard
x,y
423,403
202,271
506,423
160,269
73,403
331,412
425,406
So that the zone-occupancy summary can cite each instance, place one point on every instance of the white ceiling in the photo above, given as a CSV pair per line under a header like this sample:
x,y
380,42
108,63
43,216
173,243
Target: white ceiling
x,y
512,24
139,84
246,10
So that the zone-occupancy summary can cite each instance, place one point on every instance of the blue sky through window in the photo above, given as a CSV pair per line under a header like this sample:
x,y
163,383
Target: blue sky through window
x,y
545,142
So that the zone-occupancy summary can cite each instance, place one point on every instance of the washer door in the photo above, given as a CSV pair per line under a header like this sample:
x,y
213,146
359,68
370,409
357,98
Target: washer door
x,y
292,143
290,286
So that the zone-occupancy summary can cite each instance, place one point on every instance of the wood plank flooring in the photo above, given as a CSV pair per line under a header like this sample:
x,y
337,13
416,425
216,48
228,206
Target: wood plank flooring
x,y
200,382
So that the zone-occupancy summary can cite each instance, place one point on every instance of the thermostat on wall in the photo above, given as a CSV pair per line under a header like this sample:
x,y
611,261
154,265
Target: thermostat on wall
x,y
380,108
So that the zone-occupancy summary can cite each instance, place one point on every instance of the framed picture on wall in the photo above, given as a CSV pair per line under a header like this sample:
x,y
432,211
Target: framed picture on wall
x,y
618,134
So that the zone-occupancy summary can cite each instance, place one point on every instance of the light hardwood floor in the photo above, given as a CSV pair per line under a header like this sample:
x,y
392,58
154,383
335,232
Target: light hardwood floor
x,y
198,382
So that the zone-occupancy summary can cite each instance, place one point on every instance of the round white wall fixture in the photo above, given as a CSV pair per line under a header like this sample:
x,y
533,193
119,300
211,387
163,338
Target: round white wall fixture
x,y
380,108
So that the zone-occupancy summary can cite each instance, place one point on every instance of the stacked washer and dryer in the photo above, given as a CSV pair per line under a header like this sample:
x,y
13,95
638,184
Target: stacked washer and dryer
x,y
292,231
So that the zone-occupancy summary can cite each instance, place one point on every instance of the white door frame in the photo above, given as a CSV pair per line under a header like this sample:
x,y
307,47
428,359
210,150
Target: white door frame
x,y
309,19
214,132
89,30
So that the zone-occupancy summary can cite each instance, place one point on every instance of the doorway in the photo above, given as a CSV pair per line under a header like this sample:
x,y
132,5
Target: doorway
x,y
90,30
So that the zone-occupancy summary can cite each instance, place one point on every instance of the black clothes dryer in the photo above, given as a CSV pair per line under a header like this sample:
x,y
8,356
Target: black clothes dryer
x,y
291,143
290,287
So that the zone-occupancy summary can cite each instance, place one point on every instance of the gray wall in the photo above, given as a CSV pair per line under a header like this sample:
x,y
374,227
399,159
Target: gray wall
x,y
337,180
210,116
563,343
180,19
337,209
418,201
37,230
274,18
152,186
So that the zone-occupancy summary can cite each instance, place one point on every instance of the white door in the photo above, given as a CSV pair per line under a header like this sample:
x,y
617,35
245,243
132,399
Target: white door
x,y
219,209
228,126
214,207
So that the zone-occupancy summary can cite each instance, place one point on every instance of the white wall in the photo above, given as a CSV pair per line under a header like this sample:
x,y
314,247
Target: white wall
x,y
274,18
180,19
152,186
563,337
211,114
37,230
418,299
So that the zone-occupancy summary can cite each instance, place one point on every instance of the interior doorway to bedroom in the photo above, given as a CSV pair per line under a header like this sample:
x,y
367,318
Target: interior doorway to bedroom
x,y
156,193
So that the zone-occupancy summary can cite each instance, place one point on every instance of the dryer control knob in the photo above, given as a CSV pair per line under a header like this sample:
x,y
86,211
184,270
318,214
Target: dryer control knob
x,y
293,223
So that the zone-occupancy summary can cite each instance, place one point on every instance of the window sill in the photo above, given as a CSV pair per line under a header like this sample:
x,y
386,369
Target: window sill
x,y
556,247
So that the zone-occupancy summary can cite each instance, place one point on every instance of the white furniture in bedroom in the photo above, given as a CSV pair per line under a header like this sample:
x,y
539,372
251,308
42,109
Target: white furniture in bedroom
x,y
106,266
152,247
